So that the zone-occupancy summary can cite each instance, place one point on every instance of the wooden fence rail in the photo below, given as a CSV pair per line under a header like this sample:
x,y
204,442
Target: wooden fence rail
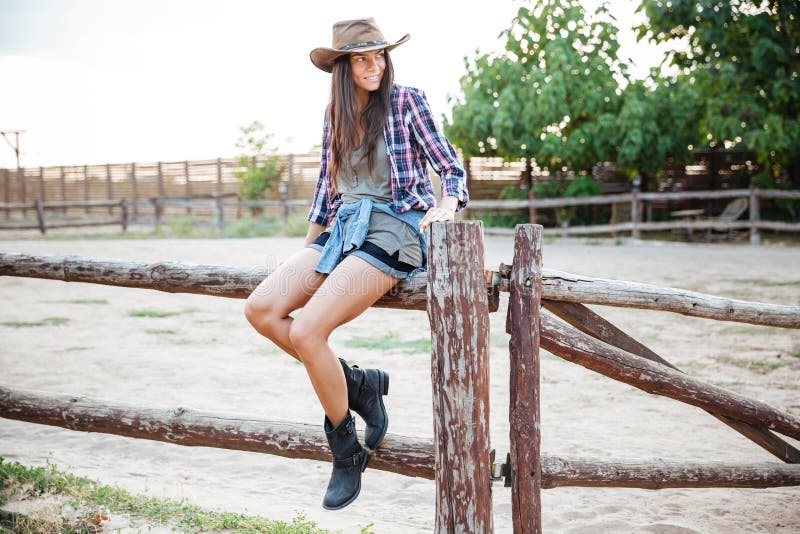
x,y
635,226
238,282
404,455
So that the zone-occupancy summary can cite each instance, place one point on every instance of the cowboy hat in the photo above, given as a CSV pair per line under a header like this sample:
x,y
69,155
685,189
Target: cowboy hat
x,y
349,37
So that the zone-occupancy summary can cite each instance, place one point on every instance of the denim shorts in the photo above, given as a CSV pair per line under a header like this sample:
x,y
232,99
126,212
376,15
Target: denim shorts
x,y
374,255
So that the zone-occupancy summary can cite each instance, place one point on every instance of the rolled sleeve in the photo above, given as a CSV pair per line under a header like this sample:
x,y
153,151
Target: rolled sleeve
x,y
438,150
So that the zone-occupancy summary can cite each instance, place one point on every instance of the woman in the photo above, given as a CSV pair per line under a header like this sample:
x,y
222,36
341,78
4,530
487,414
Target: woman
x,y
375,198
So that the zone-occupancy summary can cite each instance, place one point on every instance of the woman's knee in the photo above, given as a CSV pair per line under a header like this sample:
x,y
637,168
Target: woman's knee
x,y
259,311
306,337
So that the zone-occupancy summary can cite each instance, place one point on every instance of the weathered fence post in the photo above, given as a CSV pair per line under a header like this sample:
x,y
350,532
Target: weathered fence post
x,y
37,204
63,188
635,216
6,191
188,187
160,180
755,236
134,191
290,177
22,188
86,187
525,286
123,204
109,188
459,316
529,181
219,209
41,184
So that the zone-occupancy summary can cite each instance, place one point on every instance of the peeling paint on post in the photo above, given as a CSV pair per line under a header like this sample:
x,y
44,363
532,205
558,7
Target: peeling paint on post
x,y
459,317
525,286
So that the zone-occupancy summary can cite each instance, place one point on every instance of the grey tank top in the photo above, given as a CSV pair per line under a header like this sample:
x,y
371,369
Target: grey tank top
x,y
356,182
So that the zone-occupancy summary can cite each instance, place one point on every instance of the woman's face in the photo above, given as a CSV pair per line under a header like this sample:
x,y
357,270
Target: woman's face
x,y
368,70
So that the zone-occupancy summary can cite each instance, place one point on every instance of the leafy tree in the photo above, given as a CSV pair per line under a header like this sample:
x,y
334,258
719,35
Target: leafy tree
x,y
553,94
262,166
657,123
743,58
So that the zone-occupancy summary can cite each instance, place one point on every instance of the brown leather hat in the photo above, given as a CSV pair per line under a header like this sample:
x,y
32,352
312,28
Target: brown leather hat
x,y
351,36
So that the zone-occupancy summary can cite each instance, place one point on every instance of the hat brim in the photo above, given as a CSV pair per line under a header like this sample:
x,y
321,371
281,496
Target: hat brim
x,y
324,58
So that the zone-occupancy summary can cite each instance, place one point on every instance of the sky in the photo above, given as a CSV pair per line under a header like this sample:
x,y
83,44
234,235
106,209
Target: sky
x,y
115,81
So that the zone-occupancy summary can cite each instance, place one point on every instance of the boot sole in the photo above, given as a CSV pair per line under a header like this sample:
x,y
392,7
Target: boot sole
x,y
356,494
383,382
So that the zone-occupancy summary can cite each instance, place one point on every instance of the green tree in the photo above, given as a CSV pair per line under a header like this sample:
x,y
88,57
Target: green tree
x,y
553,94
657,123
743,58
261,165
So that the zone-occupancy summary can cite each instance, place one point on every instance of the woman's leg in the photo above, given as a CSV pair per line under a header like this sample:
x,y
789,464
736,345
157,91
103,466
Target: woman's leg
x,y
285,290
347,292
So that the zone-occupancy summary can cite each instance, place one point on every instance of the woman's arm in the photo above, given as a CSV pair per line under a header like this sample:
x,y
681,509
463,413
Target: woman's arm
x,y
438,150
314,230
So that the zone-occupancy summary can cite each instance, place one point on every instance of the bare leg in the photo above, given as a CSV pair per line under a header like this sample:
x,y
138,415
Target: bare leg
x,y
285,290
348,291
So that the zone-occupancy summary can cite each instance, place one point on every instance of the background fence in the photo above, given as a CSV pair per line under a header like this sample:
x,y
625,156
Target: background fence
x,y
209,189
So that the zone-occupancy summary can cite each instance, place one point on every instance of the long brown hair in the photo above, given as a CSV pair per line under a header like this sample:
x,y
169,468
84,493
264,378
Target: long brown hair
x,y
343,115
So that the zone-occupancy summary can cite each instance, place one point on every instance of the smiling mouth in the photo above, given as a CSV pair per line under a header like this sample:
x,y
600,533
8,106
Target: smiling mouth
x,y
372,78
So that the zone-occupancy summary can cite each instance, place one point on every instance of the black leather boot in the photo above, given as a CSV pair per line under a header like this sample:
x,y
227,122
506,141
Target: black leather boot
x,y
349,461
365,390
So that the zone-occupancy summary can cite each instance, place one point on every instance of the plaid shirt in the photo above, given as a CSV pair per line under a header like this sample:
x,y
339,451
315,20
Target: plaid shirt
x,y
411,136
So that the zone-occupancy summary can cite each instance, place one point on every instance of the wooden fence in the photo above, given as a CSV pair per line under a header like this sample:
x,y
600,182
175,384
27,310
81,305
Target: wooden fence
x,y
634,210
458,296
74,190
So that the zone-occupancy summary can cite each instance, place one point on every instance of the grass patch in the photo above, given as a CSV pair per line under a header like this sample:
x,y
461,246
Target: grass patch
x,y
751,329
691,367
160,313
94,502
88,301
759,366
77,349
391,342
48,321
159,331
500,340
756,282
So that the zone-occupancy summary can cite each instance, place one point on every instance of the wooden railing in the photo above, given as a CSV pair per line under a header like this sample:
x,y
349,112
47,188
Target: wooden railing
x,y
636,225
458,295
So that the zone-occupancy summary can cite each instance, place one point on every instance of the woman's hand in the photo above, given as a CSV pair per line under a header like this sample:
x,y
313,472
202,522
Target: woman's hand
x,y
445,211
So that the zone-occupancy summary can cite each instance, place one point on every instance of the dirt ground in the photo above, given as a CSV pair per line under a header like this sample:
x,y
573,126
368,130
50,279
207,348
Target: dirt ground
x,y
94,340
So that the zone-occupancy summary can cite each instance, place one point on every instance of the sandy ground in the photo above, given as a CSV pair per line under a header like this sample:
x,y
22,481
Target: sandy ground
x,y
207,357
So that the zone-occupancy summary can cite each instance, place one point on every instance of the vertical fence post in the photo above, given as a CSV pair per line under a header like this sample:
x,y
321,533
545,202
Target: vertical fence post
x,y
37,204
290,178
134,191
755,217
459,317
23,189
529,181
6,191
219,210
41,184
109,188
86,187
635,216
63,188
219,175
160,180
123,204
188,187
524,422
